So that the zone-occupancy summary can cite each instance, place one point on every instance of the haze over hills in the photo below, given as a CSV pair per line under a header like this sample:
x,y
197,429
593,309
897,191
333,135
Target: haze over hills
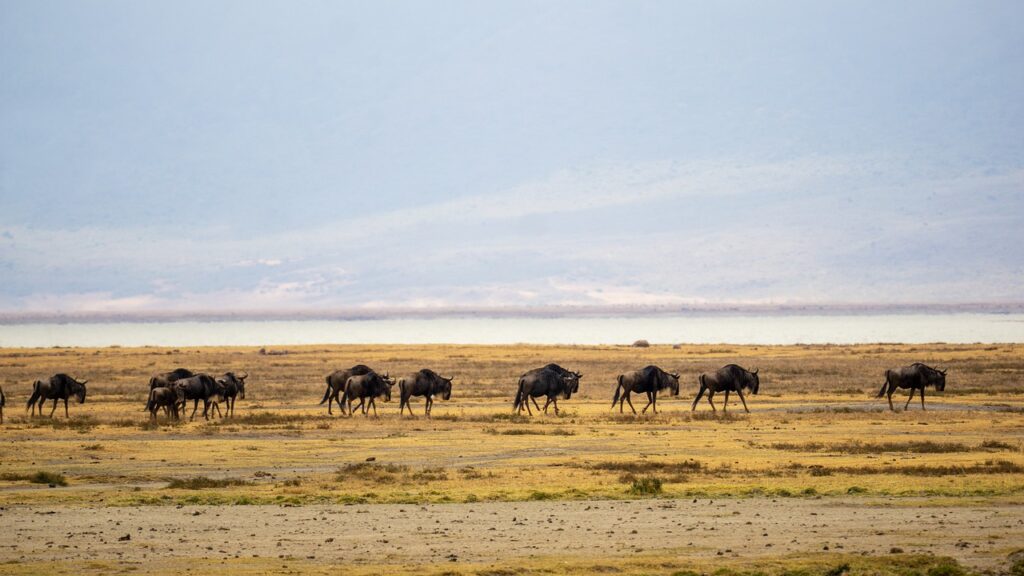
x,y
170,159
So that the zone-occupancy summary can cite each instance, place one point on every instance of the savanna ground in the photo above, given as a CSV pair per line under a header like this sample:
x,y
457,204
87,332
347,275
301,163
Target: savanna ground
x,y
819,478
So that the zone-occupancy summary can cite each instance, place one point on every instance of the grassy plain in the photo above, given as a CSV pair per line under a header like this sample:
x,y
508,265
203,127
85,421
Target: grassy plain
x,y
815,430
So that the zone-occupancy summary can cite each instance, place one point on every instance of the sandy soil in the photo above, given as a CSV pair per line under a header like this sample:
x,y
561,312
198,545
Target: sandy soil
x,y
979,535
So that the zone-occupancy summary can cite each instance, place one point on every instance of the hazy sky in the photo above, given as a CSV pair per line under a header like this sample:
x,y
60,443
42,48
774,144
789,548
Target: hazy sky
x,y
248,155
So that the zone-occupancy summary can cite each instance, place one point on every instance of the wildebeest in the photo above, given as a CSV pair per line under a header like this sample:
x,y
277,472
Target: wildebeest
x,y
199,387
168,378
551,381
367,386
165,397
424,383
58,387
234,385
730,378
916,377
3,400
648,380
336,385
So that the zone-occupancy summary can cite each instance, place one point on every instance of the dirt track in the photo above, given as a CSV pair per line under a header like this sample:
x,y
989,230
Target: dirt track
x,y
977,535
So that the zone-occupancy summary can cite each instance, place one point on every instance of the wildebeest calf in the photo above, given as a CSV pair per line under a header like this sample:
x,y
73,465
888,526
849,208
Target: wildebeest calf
x,y
166,397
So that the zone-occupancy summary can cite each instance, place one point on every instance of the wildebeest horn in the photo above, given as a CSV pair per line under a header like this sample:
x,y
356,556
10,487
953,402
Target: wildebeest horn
x,y
84,382
244,376
673,374
755,371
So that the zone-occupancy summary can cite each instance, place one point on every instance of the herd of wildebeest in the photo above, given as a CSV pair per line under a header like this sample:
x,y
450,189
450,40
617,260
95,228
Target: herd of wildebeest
x,y
171,391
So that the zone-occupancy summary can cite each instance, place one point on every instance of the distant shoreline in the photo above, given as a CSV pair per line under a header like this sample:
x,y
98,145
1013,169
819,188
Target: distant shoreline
x,y
504,312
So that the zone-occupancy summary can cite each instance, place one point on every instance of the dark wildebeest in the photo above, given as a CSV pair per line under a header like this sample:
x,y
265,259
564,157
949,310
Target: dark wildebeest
x,y
916,377
551,381
199,387
3,400
234,385
648,380
165,397
336,385
367,386
167,378
424,383
58,387
727,379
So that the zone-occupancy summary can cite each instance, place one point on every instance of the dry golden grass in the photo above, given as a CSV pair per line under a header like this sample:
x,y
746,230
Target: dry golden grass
x,y
815,429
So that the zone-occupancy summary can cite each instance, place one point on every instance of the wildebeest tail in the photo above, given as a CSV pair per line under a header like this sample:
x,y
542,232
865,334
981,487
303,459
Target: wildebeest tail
x,y
884,384
618,388
327,393
35,395
519,396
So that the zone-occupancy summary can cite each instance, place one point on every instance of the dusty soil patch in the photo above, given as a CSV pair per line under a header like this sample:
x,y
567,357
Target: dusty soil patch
x,y
978,535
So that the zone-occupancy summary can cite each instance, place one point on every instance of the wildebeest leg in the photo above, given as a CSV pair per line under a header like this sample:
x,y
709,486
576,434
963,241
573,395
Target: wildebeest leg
x,y
553,401
206,409
697,399
725,406
535,403
527,402
889,395
907,405
711,394
922,398
195,406
650,400
628,401
546,404
66,408
216,406
429,405
373,404
742,399
54,407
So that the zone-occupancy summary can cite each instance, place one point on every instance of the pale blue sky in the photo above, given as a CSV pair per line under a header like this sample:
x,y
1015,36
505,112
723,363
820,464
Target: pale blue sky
x,y
265,155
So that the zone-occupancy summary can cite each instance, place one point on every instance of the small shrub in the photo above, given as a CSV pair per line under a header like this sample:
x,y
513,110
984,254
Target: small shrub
x,y
947,567
646,486
641,344
203,483
41,477
856,490
838,570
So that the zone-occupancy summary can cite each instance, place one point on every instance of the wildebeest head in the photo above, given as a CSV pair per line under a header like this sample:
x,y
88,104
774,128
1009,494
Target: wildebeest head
x,y
937,378
78,389
241,384
572,384
446,388
753,382
388,383
673,382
